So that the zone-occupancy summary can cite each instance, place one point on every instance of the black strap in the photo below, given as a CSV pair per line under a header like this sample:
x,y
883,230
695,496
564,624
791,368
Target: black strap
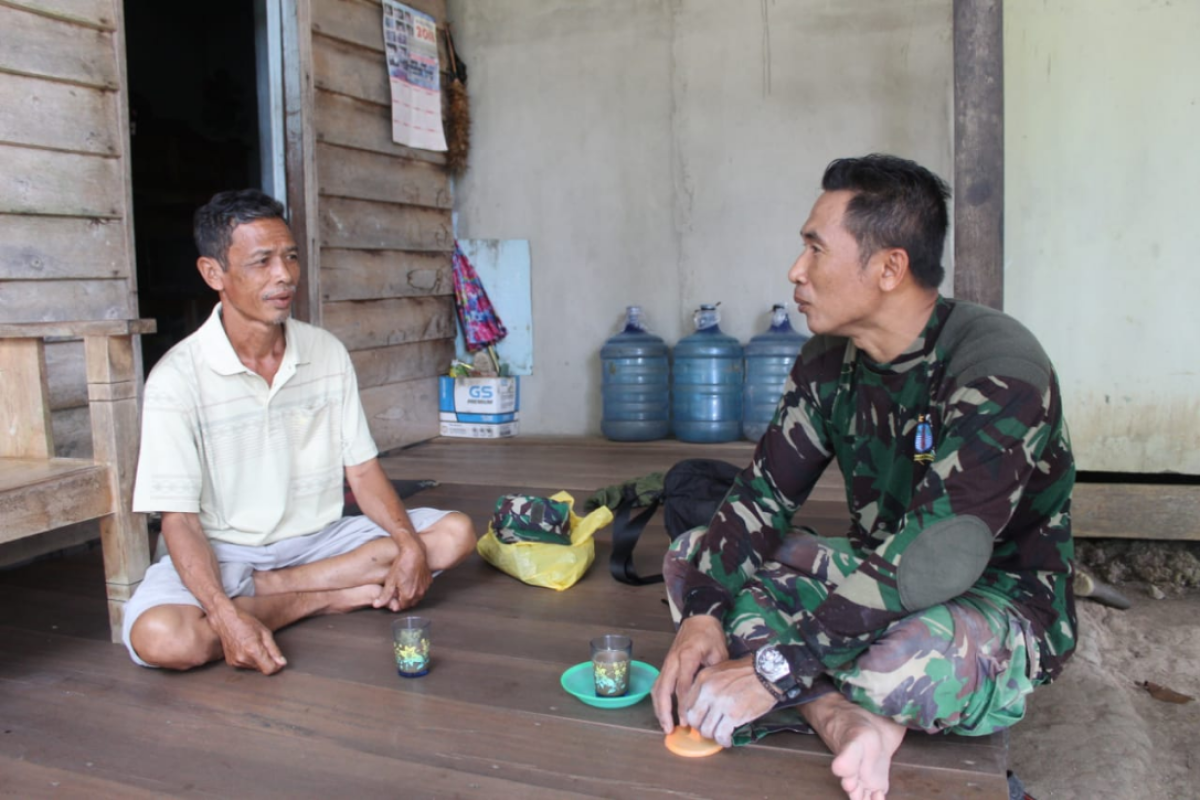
x,y
625,535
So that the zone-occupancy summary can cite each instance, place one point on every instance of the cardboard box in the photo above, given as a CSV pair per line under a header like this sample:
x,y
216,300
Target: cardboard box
x,y
474,430
479,408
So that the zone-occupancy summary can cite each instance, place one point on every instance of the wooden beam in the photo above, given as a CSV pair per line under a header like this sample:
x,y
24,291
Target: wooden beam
x,y
59,116
380,366
62,248
362,124
363,324
376,274
979,151
93,13
371,225
363,175
49,47
401,414
1158,511
94,327
33,301
301,152
361,24
48,182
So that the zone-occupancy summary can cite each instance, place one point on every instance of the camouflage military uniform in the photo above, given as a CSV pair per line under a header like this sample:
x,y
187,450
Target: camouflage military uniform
x,y
950,598
527,518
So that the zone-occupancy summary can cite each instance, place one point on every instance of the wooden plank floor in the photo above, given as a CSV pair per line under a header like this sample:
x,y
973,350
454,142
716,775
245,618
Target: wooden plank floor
x,y
490,720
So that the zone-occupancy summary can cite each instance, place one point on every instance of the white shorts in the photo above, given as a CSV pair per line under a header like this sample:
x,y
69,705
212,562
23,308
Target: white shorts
x,y
162,585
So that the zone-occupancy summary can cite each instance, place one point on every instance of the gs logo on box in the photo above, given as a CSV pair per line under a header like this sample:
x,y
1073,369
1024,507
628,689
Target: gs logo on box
x,y
481,392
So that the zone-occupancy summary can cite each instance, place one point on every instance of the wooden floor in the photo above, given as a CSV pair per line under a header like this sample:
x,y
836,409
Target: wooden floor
x,y
77,718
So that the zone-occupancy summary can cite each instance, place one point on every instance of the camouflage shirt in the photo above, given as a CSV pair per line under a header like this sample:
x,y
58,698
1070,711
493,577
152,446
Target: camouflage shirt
x,y
995,448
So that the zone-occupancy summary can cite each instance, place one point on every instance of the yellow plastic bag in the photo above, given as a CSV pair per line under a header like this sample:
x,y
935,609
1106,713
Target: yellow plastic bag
x,y
555,566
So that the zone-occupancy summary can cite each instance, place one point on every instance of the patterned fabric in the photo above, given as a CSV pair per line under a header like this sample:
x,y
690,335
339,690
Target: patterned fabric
x,y
523,518
481,325
996,452
960,667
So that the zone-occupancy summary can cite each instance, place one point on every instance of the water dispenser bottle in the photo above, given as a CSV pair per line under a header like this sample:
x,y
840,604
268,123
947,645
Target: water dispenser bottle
x,y
635,384
706,383
769,359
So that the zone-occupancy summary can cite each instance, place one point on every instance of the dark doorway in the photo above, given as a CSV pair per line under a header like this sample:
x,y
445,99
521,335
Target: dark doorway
x,y
194,130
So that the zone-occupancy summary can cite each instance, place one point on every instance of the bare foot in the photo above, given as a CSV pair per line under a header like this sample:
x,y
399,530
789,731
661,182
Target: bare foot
x,y
343,600
863,744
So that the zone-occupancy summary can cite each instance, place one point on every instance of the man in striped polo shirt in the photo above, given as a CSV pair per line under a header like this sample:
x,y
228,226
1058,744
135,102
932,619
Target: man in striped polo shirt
x,y
248,428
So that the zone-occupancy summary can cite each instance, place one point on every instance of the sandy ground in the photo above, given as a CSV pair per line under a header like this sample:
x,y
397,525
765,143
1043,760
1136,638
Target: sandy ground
x,y
1095,733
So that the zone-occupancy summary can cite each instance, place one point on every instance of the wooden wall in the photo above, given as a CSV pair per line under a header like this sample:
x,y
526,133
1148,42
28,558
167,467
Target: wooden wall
x,y
374,217
378,231
65,230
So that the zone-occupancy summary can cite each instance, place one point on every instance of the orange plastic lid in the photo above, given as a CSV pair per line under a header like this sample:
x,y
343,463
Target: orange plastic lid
x,y
686,742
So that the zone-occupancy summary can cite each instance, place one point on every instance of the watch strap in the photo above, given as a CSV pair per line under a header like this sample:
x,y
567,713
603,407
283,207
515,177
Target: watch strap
x,y
782,687
804,665
775,691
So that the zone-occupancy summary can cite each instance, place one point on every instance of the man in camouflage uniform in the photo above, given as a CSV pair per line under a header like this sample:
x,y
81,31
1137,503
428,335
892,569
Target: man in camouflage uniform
x,y
950,598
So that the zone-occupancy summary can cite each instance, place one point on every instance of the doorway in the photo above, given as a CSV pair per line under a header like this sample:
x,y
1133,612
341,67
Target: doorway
x,y
201,121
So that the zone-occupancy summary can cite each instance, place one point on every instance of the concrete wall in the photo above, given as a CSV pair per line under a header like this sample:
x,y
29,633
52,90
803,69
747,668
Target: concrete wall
x,y
666,153
1103,189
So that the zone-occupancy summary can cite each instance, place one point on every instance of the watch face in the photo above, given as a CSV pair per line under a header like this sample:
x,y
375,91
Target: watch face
x,y
771,664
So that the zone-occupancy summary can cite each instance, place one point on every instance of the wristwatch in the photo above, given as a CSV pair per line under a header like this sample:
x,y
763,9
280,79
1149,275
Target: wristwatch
x,y
775,673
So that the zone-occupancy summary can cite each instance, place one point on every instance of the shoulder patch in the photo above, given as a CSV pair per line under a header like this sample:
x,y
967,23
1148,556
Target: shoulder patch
x,y
981,342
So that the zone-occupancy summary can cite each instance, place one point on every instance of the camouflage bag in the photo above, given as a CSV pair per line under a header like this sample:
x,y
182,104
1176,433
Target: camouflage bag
x,y
555,564
527,518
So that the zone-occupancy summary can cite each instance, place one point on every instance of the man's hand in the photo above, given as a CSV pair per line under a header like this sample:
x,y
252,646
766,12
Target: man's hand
x,y
699,643
408,579
246,641
724,697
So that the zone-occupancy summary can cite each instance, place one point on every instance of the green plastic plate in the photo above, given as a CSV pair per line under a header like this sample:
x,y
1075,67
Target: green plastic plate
x,y
578,681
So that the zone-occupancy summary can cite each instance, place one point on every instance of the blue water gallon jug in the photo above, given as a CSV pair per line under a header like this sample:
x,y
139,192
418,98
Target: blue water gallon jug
x,y
706,385
769,359
635,386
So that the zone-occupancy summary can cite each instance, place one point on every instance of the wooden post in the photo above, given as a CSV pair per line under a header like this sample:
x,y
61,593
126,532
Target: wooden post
x,y
979,151
301,154
112,400
25,396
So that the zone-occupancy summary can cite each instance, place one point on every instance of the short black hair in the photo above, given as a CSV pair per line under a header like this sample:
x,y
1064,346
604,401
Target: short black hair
x,y
214,221
896,203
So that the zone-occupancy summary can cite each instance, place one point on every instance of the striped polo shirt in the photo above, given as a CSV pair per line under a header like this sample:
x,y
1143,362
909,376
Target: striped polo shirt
x,y
258,463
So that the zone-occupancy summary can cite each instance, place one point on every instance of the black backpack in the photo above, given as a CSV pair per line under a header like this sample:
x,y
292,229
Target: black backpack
x,y
692,492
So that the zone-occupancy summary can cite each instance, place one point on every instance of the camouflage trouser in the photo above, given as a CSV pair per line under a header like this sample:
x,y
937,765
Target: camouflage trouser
x,y
963,666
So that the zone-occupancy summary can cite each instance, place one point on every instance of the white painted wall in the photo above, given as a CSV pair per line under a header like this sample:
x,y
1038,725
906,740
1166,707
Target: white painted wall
x,y
666,152
1102,195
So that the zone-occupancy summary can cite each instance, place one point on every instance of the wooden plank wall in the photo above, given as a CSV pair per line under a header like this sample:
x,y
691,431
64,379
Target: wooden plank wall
x,y
65,229
380,230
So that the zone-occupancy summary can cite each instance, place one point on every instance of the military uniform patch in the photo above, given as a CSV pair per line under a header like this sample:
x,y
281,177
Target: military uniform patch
x,y
923,451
